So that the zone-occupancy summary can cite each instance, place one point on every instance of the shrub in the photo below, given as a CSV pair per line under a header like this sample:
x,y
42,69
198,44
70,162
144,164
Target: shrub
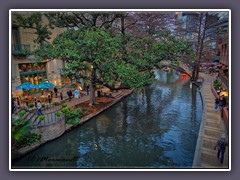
x,y
22,113
43,105
64,105
20,129
65,110
30,139
21,134
73,116
58,114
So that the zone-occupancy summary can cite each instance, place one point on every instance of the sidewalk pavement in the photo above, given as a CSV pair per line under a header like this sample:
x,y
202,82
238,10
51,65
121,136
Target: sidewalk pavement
x,y
211,129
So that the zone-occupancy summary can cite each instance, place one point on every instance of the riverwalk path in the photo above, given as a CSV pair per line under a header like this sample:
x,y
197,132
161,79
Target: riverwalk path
x,y
211,129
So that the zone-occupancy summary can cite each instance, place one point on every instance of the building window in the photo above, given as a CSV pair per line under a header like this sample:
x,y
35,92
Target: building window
x,y
16,39
33,73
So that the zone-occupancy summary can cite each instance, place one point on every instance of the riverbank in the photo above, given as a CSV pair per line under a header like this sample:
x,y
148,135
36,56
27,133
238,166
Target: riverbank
x,y
67,127
211,129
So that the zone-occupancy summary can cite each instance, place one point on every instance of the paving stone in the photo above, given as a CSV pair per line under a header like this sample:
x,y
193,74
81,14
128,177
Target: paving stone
x,y
213,125
212,129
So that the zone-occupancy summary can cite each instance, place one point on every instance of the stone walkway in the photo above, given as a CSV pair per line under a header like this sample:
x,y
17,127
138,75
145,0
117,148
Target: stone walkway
x,y
212,127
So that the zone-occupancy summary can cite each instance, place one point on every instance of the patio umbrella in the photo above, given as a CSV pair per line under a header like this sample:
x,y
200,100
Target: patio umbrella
x,y
45,85
27,86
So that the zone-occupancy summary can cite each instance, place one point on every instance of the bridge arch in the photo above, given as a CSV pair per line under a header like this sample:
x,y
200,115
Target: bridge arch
x,y
177,68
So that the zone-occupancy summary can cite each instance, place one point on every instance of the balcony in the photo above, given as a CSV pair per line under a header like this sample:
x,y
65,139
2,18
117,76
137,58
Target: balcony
x,y
20,49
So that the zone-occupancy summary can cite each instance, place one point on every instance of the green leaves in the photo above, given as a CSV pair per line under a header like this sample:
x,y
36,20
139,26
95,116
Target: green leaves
x,y
72,116
20,129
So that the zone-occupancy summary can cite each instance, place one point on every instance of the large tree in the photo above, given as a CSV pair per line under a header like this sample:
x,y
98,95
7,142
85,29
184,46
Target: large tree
x,y
96,52
91,47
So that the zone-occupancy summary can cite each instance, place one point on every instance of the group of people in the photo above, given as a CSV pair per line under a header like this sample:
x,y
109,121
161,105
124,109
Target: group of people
x,y
222,142
75,94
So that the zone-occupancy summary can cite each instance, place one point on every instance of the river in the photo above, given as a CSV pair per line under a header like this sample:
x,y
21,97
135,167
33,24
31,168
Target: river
x,y
156,127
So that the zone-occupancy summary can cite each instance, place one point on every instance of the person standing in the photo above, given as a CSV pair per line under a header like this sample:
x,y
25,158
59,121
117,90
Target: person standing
x,y
76,93
61,97
216,104
87,90
221,145
219,90
39,108
223,103
69,93
51,94
55,91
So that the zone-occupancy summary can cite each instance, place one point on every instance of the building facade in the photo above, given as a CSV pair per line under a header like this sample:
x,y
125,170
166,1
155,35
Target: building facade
x,y
24,68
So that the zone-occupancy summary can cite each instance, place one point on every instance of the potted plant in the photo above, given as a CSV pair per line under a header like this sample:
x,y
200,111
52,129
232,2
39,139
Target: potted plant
x,y
40,118
56,103
64,105
30,106
58,113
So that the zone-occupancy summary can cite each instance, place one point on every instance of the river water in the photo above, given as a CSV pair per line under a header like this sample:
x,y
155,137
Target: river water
x,y
156,127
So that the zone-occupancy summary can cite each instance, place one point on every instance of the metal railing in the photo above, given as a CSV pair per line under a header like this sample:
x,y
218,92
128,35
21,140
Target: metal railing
x,y
50,118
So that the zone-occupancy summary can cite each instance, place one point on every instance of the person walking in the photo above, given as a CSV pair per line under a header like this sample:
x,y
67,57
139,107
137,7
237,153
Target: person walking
x,y
216,104
39,108
221,145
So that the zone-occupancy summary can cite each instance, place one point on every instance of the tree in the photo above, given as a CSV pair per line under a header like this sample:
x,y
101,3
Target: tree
x,y
95,55
34,21
152,23
82,20
203,30
95,52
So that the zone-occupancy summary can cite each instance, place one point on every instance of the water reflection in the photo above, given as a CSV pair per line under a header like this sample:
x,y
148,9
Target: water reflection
x,y
155,128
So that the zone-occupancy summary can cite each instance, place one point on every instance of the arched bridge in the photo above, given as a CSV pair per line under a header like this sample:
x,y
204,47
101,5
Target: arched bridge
x,y
177,68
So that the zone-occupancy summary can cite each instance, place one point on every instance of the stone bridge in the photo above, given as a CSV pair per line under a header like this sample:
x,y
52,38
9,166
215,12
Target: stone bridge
x,y
165,64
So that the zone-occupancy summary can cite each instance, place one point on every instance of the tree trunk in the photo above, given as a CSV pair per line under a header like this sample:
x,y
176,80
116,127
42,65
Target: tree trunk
x,y
201,45
92,87
193,73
